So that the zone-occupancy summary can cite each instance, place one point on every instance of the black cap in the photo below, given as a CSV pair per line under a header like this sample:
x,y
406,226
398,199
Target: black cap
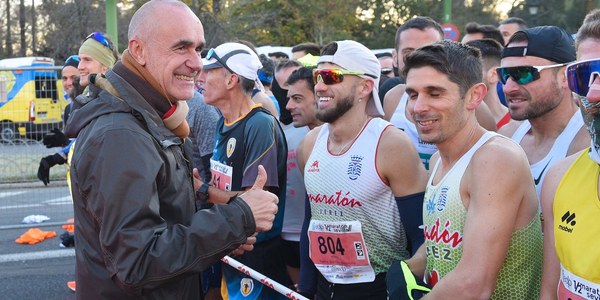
x,y
550,42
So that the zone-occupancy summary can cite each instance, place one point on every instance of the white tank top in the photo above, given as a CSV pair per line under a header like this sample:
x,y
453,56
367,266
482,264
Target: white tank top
x,y
558,151
347,187
295,191
399,120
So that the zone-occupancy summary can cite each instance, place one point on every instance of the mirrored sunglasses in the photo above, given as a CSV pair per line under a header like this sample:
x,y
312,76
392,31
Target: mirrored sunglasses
x,y
523,74
98,37
333,76
581,74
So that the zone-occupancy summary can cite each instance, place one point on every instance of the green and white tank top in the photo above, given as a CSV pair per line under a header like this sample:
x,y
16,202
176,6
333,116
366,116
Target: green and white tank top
x,y
444,216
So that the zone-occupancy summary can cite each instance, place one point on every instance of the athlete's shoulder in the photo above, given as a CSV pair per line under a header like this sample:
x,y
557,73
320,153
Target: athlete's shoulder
x,y
510,128
501,153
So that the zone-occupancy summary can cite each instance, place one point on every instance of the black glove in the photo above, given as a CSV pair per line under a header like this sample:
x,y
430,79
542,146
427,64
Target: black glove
x,y
46,163
55,138
402,284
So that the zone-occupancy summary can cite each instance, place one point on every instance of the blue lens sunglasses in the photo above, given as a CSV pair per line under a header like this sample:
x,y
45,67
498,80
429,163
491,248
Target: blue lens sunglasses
x,y
581,74
98,37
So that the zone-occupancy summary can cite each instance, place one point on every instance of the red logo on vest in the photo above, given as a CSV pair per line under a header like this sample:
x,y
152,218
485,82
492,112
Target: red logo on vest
x,y
314,167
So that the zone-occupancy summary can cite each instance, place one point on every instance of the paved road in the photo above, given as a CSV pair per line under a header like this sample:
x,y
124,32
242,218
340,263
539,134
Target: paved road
x,y
38,271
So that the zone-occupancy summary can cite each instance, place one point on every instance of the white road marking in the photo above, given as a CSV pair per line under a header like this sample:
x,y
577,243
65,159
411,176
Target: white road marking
x,y
37,255
8,194
66,200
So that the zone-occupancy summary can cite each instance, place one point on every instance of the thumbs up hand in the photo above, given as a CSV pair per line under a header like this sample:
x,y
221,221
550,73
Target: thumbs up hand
x,y
262,203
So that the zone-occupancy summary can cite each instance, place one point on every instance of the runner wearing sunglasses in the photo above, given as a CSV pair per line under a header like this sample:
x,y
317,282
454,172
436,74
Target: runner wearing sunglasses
x,y
360,204
545,122
570,192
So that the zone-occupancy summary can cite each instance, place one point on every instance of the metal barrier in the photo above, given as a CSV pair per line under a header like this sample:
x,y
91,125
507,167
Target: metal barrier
x,y
31,104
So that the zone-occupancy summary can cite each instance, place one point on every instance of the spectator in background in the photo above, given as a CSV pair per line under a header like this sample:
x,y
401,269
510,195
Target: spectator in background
x,y
509,26
203,119
278,56
475,31
414,33
265,75
282,71
570,192
387,67
491,52
302,105
303,49
69,71
97,55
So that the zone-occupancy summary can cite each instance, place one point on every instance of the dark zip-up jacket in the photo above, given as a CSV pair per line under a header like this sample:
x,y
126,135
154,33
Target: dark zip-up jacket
x,y
138,234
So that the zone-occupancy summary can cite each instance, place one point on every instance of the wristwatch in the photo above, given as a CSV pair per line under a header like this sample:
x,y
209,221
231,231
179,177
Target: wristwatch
x,y
202,193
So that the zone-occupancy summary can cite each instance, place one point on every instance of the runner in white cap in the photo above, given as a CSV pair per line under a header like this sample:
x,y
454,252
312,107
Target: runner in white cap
x,y
351,174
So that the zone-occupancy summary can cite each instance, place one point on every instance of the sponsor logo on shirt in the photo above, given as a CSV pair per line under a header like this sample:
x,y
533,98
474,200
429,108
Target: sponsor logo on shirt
x,y
314,167
230,147
568,222
339,199
354,167
537,180
246,286
443,235
442,199
432,205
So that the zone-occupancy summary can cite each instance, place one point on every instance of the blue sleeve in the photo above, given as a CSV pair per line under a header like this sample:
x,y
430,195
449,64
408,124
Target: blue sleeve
x,y
411,216
66,149
308,271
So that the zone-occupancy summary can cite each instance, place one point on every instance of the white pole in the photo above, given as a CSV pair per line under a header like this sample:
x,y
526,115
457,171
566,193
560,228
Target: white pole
x,y
263,279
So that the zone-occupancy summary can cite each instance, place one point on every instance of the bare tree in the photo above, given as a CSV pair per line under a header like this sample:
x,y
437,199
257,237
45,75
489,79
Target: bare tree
x,y
9,50
23,48
33,29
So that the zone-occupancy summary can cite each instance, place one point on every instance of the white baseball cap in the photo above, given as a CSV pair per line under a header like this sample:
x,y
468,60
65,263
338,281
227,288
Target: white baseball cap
x,y
354,56
237,58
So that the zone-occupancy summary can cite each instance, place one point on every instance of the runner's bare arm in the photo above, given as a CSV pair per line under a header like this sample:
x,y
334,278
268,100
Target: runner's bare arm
x,y
305,148
417,262
396,152
551,266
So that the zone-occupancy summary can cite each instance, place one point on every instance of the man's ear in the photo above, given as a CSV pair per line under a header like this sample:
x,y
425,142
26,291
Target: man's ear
x,y
137,51
475,95
394,58
231,80
367,89
491,76
561,78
